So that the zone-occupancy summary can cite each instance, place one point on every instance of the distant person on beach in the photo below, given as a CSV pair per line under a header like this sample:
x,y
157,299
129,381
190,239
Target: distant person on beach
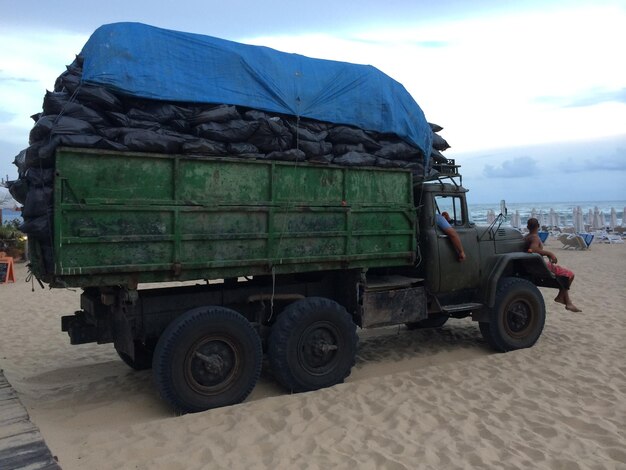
x,y
533,245
446,228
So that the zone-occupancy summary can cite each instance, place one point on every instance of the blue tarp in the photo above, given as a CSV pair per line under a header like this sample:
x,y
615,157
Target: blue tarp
x,y
154,63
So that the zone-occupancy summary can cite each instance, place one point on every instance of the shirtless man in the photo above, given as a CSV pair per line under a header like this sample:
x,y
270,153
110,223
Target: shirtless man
x,y
533,245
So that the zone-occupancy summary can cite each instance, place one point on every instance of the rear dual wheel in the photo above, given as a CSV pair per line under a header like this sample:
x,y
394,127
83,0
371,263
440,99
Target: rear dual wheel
x,y
312,345
207,358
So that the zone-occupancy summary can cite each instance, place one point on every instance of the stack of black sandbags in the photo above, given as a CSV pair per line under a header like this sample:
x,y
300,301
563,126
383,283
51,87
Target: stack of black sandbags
x,y
81,115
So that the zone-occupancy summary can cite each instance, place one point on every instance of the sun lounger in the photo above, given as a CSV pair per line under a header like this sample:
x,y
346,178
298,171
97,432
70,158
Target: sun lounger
x,y
575,241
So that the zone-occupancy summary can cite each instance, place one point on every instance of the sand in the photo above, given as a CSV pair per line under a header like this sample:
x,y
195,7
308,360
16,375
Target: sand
x,y
437,399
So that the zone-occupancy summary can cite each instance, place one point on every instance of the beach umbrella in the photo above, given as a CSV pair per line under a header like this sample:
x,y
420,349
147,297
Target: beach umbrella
x,y
6,200
624,217
579,224
553,219
533,214
516,220
491,216
613,219
589,220
597,222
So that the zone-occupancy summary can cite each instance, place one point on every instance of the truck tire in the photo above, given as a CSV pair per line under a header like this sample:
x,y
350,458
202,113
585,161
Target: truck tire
x,y
517,318
207,358
143,357
312,345
434,321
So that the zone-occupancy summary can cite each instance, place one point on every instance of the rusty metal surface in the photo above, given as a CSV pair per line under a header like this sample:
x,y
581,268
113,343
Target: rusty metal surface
x,y
123,218
392,307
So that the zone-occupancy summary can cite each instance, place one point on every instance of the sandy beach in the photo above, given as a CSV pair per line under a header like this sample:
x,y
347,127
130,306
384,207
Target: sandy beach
x,y
437,399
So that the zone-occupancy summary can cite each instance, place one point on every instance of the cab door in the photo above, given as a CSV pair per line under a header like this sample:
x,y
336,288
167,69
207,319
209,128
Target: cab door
x,y
453,274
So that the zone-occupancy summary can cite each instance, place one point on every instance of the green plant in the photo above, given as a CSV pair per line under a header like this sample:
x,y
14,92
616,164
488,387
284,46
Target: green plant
x,y
12,241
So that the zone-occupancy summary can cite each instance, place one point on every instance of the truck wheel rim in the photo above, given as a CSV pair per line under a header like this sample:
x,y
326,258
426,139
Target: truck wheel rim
x,y
518,318
318,348
212,365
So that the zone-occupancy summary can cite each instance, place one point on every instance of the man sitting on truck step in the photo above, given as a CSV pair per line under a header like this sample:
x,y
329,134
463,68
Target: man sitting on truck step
x,y
564,276
446,228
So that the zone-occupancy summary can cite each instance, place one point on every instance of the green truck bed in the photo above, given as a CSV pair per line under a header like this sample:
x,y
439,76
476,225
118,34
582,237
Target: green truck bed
x,y
126,218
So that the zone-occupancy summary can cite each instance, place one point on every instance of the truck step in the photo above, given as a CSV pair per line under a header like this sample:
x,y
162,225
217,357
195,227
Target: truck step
x,y
461,307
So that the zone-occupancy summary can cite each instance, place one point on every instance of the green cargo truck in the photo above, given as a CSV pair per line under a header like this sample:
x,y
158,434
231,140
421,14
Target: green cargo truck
x,y
289,259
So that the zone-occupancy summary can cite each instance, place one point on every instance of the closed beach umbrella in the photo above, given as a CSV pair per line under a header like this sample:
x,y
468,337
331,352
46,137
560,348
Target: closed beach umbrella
x,y
597,222
491,216
624,217
517,219
553,219
533,214
579,225
613,219
590,217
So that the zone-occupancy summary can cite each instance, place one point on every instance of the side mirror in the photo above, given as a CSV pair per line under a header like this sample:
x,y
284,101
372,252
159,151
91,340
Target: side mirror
x,y
503,209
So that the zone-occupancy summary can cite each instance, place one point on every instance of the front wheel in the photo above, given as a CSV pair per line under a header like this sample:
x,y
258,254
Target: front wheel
x,y
517,318
312,345
207,358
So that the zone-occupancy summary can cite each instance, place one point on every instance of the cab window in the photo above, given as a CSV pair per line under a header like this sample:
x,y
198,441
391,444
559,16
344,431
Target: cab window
x,y
452,205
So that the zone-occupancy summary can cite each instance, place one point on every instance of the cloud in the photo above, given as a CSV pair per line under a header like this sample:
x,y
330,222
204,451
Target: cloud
x,y
587,98
613,162
517,167
4,78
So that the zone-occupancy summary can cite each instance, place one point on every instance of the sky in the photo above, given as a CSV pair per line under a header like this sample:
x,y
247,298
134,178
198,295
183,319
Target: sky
x,y
531,94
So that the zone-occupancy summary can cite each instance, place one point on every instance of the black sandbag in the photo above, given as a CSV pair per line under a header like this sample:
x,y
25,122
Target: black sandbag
x,y
241,148
55,101
439,143
18,189
59,125
388,163
293,155
68,81
98,97
38,227
220,113
43,154
84,113
144,140
47,254
398,150
204,147
350,135
180,125
157,111
323,159
355,159
271,135
314,126
340,149
20,162
236,130
255,115
302,133
39,177
435,127
37,201
122,120
313,149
